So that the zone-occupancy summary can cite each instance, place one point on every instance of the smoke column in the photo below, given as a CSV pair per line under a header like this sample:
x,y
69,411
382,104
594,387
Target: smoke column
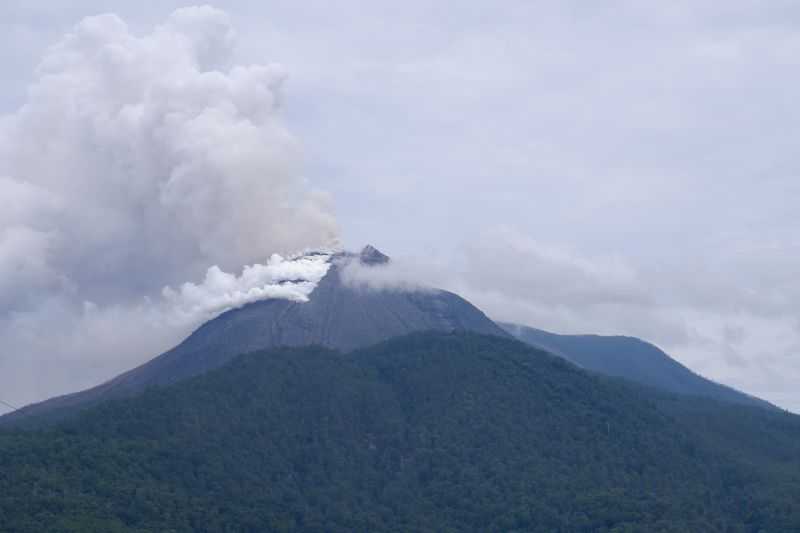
x,y
140,162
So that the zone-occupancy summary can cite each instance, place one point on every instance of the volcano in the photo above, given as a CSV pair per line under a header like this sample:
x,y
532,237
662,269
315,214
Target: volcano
x,y
339,315
345,313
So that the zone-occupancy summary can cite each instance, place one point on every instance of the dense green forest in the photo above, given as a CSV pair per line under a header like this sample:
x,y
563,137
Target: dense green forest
x,y
431,432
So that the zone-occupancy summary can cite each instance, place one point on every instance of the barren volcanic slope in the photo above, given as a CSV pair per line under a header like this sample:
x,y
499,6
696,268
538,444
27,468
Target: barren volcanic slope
x,y
338,315
633,359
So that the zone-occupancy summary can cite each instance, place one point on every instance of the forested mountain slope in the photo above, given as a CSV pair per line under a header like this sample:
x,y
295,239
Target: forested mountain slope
x,y
430,432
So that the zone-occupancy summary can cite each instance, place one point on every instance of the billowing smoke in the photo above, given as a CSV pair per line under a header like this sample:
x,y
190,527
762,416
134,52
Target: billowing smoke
x,y
138,162
292,279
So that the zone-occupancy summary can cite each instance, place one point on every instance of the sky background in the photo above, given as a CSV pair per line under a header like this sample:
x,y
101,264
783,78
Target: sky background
x,y
612,167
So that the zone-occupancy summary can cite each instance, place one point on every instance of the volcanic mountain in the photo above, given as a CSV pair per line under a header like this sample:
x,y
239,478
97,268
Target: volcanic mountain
x,y
339,315
344,313
342,411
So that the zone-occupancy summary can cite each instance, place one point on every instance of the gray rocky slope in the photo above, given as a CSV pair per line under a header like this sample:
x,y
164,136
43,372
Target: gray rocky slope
x,y
338,315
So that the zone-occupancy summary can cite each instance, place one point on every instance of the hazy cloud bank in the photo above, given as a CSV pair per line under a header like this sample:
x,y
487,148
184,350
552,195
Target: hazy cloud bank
x,y
724,326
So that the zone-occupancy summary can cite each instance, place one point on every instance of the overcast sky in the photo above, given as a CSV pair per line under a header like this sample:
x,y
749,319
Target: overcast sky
x,y
607,167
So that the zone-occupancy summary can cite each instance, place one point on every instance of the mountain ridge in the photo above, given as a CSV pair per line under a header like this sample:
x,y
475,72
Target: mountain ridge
x,y
631,358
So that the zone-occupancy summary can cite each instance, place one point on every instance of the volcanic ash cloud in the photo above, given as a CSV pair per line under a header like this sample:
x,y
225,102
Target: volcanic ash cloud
x,y
139,162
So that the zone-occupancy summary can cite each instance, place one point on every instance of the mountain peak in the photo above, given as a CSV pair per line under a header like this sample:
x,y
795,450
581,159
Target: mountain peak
x,y
372,256
333,313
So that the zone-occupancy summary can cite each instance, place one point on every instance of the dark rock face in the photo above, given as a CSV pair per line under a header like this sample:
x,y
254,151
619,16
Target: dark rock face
x,y
632,359
372,256
337,316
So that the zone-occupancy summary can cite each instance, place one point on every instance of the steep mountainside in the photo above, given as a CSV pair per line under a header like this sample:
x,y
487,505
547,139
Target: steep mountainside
x,y
432,432
633,359
338,316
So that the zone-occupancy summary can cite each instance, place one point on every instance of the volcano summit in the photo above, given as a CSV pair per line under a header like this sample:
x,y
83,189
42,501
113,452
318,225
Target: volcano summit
x,y
338,314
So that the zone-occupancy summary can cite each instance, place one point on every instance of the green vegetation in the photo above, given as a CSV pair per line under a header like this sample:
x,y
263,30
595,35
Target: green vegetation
x,y
432,432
